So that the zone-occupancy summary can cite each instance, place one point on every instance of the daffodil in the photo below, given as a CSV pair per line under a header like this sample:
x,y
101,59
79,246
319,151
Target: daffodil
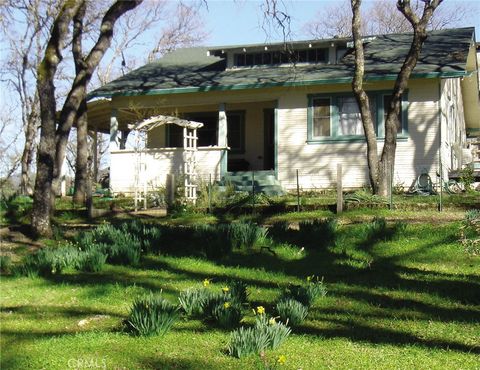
x,y
206,282
272,321
225,289
281,359
310,278
260,310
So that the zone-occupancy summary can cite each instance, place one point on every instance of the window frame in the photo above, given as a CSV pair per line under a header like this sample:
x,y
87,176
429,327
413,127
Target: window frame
x,y
375,95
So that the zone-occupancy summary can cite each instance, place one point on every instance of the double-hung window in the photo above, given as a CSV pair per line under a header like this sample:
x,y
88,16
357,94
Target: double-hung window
x,y
336,117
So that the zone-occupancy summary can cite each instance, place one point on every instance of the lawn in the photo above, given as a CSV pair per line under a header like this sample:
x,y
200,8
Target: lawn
x,y
407,301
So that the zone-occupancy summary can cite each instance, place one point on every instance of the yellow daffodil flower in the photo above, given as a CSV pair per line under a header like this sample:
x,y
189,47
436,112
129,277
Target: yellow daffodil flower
x,y
260,310
272,321
225,289
226,305
281,360
206,282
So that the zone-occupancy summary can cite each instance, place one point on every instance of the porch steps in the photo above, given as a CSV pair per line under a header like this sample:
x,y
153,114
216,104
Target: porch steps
x,y
264,182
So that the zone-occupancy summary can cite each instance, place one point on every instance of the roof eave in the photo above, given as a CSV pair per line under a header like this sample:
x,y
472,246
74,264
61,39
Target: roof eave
x,y
333,81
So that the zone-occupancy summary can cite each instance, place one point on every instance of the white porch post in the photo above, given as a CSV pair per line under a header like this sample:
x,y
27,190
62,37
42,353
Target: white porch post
x,y
222,137
114,139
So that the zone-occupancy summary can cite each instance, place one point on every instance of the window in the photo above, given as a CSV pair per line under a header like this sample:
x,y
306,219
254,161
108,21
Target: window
x,y
321,117
350,120
311,55
336,117
207,135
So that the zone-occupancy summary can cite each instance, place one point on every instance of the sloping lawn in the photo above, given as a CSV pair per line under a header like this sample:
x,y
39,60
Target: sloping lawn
x,y
412,302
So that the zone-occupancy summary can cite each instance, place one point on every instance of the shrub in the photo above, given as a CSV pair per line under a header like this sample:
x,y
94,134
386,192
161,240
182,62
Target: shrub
x,y
193,301
227,315
215,299
467,177
307,293
291,311
151,315
322,232
91,261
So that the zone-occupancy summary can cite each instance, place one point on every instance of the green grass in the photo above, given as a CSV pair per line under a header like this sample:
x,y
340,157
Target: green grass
x,y
412,302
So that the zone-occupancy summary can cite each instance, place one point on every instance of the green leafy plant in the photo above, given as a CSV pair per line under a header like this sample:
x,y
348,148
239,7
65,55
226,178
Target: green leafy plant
x,y
245,234
470,232
291,311
151,315
91,261
321,232
49,261
467,177
306,293
275,331
246,341
227,315
193,301
5,263
238,291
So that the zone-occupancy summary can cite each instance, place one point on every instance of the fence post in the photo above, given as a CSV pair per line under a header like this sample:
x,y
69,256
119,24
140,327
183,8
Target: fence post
x,y
253,191
170,189
298,194
210,194
339,189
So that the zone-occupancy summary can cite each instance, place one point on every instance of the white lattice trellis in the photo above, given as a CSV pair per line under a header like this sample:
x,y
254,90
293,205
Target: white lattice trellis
x,y
190,140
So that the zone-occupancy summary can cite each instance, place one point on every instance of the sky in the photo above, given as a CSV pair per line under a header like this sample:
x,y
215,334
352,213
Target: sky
x,y
231,22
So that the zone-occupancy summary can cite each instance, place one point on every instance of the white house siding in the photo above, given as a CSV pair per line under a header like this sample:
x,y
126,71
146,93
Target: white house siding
x,y
317,163
155,165
453,124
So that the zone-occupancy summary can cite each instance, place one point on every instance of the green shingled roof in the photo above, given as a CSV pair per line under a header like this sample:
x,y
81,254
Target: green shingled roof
x,y
191,69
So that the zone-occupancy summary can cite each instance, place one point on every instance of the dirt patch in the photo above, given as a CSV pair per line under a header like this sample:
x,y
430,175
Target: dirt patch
x,y
14,242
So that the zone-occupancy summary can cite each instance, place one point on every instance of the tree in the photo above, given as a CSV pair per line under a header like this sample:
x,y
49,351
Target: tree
x,y
382,17
52,145
20,64
183,28
380,170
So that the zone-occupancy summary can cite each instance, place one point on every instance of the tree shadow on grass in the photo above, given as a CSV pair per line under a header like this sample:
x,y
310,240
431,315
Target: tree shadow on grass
x,y
353,330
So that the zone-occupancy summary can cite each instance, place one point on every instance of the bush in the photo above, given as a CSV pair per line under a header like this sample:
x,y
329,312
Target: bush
x,y
291,311
307,293
322,232
193,301
227,315
91,261
151,315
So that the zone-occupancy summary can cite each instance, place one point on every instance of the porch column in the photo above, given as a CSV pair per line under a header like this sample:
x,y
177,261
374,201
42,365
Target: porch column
x,y
123,138
222,137
95,154
114,139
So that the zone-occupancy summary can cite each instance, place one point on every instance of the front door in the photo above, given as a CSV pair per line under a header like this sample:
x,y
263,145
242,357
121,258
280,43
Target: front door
x,y
269,139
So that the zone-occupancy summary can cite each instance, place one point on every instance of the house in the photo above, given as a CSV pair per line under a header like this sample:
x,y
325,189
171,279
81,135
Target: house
x,y
281,108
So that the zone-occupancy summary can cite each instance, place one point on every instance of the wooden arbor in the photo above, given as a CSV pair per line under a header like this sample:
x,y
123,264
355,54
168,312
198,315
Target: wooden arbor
x,y
190,139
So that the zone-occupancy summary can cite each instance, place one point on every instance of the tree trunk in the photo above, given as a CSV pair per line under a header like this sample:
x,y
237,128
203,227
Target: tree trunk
x,y
380,171
362,98
81,164
28,150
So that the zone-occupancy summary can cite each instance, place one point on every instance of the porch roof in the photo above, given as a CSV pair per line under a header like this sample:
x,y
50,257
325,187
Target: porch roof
x,y
192,69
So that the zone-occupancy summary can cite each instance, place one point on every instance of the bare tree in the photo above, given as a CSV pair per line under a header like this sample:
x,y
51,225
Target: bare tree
x,y
24,45
10,158
383,17
51,150
380,169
